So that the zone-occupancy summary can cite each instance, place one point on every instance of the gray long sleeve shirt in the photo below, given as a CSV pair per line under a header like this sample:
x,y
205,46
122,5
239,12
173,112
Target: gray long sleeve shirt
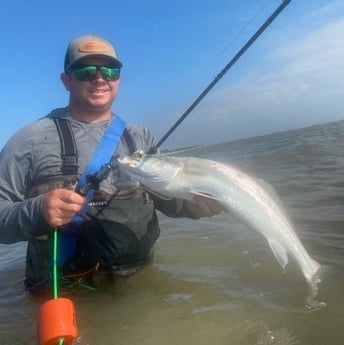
x,y
33,156
116,230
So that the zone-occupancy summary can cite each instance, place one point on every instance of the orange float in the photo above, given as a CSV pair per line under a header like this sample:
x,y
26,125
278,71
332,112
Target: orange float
x,y
57,322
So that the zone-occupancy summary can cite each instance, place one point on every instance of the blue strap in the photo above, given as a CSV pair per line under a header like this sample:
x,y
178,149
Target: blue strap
x,y
102,156
68,233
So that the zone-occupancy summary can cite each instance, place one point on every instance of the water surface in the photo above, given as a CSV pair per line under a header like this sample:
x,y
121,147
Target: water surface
x,y
214,281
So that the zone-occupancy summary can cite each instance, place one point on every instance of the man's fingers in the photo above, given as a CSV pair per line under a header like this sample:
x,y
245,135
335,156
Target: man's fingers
x,y
60,205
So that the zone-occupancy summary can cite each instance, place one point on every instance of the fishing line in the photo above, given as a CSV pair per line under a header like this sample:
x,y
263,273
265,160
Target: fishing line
x,y
230,64
245,27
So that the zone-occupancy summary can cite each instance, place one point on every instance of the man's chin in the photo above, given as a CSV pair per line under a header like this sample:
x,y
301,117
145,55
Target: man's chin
x,y
99,105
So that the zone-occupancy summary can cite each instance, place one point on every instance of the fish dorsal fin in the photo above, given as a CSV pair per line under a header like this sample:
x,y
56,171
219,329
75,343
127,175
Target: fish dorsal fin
x,y
271,191
279,251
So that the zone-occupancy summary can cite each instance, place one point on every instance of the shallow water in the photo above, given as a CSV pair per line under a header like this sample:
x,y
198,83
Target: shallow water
x,y
214,281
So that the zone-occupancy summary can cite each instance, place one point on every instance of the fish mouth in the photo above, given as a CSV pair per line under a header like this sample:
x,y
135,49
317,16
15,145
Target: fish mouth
x,y
133,160
126,161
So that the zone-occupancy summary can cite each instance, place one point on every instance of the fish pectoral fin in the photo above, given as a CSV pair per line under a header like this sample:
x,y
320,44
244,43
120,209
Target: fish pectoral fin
x,y
279,251
166,197
161,196
205,195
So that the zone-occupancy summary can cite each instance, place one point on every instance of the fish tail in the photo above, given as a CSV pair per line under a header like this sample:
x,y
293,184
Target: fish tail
x,y
312,274
315,266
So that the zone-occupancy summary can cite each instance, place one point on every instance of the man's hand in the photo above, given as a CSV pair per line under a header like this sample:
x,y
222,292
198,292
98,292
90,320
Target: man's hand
x,y
60,205
204,207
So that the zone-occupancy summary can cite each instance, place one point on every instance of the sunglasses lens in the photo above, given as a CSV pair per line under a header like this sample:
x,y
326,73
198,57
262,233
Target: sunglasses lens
x,y
85,73
110,73
88,73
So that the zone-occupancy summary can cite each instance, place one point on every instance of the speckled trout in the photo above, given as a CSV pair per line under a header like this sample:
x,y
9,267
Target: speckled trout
x,y
249,199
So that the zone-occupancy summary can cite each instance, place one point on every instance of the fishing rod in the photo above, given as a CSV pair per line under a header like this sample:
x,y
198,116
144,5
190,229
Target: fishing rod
x,y
222,73
94,180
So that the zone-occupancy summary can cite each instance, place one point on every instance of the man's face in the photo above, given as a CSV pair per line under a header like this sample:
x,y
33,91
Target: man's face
x,y
95,95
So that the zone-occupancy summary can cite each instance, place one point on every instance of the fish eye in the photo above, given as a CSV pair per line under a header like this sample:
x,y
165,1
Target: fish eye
x,y
138,154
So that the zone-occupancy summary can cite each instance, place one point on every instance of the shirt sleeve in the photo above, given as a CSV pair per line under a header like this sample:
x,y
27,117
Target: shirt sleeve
x,y
20,216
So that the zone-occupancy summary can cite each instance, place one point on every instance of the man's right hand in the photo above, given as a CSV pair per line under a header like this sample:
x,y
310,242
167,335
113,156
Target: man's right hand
x,y
60,205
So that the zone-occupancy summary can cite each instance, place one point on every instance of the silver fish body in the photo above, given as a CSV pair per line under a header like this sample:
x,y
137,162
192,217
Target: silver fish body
x,y
239,193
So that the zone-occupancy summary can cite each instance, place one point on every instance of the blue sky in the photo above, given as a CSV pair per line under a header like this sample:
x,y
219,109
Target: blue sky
x,y
291,77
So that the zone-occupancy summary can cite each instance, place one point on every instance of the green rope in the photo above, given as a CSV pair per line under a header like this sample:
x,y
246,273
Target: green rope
x,y
55,279
55,294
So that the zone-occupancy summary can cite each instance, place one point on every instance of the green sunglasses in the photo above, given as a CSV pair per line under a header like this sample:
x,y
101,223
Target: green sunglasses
x,y
89,72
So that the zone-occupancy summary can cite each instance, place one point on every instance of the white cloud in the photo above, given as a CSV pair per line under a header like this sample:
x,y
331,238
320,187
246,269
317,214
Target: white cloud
x,y
304,87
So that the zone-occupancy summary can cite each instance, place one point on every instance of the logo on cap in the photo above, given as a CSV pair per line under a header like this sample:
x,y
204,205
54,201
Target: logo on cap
x,y
93,47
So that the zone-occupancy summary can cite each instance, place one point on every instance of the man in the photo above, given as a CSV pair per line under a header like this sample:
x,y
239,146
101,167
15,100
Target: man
x,y
40,178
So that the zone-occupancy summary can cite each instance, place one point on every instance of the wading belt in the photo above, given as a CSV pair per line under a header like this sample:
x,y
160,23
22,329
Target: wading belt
x,y
68,233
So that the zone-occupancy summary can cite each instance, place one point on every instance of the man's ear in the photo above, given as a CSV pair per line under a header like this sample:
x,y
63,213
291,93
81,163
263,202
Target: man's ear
x,y
65,78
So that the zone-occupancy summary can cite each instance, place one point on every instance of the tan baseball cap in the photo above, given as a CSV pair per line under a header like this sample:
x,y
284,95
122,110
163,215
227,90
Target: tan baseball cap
x,y
89,45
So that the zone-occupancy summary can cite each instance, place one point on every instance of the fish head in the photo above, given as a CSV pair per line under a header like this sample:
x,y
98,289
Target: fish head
x,y
153,171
